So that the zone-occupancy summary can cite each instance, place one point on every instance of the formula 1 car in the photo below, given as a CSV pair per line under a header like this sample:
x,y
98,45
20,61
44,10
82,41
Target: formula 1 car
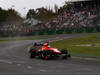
x,y
44,51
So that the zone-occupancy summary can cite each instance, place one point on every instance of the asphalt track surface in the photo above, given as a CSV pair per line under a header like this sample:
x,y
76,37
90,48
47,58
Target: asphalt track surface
x,y
14,60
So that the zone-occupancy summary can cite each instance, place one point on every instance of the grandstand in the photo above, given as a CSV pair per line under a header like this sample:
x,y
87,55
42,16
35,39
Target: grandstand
x,y
83,16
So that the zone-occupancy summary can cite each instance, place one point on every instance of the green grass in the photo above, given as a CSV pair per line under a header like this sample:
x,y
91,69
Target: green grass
x,y
3,40
71,43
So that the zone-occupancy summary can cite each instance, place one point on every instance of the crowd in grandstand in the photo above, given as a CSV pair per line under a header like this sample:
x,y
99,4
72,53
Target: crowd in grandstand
x,y
76,17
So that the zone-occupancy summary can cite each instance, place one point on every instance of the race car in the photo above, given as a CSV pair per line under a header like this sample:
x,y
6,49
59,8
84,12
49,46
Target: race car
x,y
44,51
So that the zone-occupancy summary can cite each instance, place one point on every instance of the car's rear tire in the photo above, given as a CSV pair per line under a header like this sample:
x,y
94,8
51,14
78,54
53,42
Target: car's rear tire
x,y
64,57
69,55
64,53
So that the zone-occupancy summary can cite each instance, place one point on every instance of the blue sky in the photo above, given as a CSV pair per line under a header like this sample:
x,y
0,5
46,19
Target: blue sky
x,y
22,6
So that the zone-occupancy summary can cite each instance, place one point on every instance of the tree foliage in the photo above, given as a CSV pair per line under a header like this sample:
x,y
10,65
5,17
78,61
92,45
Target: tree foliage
x,y
42,14
5,14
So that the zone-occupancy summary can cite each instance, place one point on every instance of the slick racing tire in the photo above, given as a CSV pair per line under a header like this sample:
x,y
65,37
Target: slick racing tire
x,y
32,55
64,57
64,54
69,55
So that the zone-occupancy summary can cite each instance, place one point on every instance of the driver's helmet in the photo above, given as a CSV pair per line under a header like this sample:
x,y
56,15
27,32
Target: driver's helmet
x,y
35,44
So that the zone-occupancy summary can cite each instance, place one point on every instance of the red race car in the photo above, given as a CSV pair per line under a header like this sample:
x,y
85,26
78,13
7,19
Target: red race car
x,y
44,51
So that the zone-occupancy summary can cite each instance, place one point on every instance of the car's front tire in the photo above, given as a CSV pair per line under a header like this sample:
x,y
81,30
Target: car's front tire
x,y
32,55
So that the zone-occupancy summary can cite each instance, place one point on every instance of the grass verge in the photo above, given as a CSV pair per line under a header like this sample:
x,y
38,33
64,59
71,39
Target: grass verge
x,y
85,51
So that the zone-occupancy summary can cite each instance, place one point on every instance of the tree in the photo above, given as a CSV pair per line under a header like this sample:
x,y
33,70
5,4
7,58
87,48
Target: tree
x,y
31,13
13,13
3,15
56,8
